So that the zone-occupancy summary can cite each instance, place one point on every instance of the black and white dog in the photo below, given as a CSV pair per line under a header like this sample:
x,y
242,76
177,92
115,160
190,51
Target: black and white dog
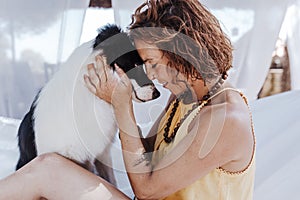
x,y
68,119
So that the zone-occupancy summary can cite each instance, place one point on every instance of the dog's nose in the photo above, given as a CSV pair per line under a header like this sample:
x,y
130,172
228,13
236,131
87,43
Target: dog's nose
x,y
155,94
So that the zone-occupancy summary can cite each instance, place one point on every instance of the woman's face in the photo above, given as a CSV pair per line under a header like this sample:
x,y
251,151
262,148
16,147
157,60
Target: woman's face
x,y
156,68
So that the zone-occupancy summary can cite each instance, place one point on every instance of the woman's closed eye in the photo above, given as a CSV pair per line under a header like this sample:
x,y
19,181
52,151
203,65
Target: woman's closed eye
x,y
154,65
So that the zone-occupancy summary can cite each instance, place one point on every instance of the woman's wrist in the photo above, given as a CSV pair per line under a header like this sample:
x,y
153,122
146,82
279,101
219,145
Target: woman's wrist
x,y
121,105
125,118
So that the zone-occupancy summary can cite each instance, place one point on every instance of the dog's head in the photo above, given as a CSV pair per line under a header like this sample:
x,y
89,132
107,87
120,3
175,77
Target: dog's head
x,y
117,48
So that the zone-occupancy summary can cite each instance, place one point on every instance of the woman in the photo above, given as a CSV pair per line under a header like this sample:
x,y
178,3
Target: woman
x,y
201,147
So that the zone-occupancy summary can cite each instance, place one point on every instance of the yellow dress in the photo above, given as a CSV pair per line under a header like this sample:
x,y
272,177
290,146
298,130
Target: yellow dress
x,y
218,184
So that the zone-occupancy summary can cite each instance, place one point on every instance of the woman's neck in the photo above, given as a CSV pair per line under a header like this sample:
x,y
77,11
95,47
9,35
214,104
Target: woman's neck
x,y
199,89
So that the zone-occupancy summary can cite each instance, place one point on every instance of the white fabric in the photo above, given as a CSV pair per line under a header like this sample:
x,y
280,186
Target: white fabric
x,y
277,124
35,37
9,152
252,48
292,25
123,11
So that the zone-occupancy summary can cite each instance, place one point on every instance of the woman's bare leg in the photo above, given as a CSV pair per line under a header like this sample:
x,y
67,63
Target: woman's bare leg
x,y
53,177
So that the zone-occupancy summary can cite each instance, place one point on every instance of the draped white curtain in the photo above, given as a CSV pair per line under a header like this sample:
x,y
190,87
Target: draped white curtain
x,y
254,28
35,37
292,27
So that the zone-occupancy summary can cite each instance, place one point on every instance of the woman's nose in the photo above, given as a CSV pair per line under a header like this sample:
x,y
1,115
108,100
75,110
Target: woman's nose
x,y
150,72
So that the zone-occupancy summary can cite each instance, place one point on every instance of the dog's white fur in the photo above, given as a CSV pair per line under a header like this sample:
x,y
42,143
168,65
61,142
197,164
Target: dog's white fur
x,y
78,125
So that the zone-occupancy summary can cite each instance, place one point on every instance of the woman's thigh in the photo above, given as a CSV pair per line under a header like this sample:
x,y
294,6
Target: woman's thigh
x,y
52,176
70,181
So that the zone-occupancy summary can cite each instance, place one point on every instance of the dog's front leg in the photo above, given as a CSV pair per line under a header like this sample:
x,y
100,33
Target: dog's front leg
x,y
105,171
104,166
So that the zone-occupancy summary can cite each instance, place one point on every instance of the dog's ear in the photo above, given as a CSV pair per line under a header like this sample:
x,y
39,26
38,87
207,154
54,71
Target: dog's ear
x,y
104,33
117,47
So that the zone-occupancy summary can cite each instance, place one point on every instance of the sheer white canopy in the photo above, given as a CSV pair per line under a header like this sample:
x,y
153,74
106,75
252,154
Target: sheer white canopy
x,y
292,28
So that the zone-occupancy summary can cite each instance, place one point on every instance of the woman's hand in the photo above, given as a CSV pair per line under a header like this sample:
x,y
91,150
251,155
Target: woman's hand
x,y
103,82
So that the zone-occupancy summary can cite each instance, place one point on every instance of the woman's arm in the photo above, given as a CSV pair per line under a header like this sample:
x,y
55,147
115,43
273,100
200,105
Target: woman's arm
x,y
212,142
195,156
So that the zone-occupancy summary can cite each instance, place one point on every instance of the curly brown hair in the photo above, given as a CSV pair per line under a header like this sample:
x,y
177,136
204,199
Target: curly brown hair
x,y
187,33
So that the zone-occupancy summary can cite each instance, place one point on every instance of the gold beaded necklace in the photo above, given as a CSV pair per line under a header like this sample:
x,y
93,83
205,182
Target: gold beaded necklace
x,y
200,104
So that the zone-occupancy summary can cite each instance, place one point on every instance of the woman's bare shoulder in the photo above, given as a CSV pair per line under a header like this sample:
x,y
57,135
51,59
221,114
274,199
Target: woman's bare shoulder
x,y
225,128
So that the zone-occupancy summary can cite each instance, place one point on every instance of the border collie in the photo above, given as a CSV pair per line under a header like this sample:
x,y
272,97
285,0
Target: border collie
x,y
68,119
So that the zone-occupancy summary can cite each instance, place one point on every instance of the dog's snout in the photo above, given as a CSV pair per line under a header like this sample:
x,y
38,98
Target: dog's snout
x,y
155,94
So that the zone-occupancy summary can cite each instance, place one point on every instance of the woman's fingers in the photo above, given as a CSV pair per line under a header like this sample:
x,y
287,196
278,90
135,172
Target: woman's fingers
x,y
98,73
102,68
102,82
93,76
89,84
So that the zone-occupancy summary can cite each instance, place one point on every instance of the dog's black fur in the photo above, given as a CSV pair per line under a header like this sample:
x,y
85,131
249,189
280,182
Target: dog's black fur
x,y
26,139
